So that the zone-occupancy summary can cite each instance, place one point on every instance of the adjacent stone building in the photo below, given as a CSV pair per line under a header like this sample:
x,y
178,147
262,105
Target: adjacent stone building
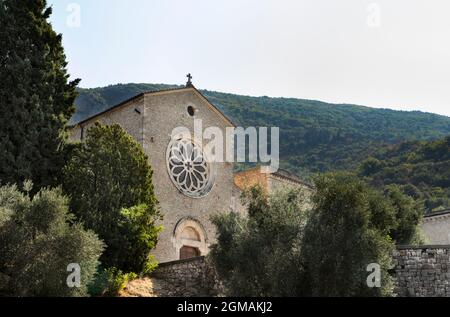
x,y
436,227
270,183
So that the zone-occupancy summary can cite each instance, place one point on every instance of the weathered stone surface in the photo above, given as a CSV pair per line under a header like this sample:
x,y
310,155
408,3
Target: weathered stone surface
x,y
189,278
422,275
421,271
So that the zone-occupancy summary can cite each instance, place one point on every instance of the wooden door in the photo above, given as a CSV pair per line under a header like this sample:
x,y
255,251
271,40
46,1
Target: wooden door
x,y
189,252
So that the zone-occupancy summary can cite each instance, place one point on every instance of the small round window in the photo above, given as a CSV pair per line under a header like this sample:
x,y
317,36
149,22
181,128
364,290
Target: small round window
x,y
191,111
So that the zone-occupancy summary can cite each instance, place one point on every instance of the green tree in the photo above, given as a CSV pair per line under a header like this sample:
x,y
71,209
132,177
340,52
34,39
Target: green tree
x,y
36,97
138,226
348,230
109,181
278,249
259,255
38,240
370,166
408,216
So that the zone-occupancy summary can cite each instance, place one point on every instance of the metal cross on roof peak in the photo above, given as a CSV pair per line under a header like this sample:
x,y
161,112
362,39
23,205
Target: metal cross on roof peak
x,y
189,82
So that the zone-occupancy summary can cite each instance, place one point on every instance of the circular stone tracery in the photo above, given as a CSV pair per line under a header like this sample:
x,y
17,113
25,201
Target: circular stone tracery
x,y
188,168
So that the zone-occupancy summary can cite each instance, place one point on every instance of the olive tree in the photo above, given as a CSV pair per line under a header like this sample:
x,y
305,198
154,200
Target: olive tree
x,y
347,233
38,241
259,254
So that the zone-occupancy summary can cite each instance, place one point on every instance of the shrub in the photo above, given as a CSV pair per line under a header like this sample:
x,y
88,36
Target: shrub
x,y
110,282
38,240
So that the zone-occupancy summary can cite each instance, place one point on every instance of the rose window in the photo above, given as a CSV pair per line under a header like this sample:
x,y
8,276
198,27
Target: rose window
x,y
188,168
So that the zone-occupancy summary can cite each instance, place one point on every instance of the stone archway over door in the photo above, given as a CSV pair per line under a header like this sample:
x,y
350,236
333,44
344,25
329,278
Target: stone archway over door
x,y
190,239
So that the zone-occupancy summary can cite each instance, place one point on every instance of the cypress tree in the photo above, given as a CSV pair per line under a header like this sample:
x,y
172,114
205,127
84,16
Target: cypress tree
x,y
36,96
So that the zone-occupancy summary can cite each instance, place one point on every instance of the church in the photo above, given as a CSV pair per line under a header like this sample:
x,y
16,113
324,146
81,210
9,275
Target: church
x,y
189,190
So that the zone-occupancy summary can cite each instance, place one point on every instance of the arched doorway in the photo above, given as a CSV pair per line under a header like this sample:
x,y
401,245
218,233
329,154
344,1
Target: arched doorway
x,y
190,239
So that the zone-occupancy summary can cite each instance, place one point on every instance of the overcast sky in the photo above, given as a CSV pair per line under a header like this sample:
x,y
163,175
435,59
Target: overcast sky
x,y
387,53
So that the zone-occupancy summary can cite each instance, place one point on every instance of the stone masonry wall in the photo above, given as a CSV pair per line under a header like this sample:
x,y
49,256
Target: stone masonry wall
x,y
189,278
422,271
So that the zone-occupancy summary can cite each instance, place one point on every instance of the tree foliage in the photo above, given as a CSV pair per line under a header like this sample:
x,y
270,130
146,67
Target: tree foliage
x,y
38,240
36,97
408,215
421,169
258,255
109,181
348,230
279,249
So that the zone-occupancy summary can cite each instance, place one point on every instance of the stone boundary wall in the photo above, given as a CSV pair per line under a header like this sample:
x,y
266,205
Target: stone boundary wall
x,y
422,271
189,278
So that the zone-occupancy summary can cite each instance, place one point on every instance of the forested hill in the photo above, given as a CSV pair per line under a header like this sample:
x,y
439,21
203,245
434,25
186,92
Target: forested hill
x,y
421,168
315,136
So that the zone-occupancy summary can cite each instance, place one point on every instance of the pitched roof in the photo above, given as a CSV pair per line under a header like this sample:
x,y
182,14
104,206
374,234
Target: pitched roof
x,y
280,173
437,213
162,91
292,177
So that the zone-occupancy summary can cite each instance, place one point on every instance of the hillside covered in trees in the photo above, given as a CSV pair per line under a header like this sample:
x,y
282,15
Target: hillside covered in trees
x,y
421,168
315,136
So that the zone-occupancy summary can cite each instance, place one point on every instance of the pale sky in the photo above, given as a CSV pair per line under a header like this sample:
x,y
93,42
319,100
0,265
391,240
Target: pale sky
x,y
386,53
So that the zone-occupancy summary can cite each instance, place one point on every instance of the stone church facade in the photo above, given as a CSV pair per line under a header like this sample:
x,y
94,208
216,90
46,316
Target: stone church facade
x,y
187,203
